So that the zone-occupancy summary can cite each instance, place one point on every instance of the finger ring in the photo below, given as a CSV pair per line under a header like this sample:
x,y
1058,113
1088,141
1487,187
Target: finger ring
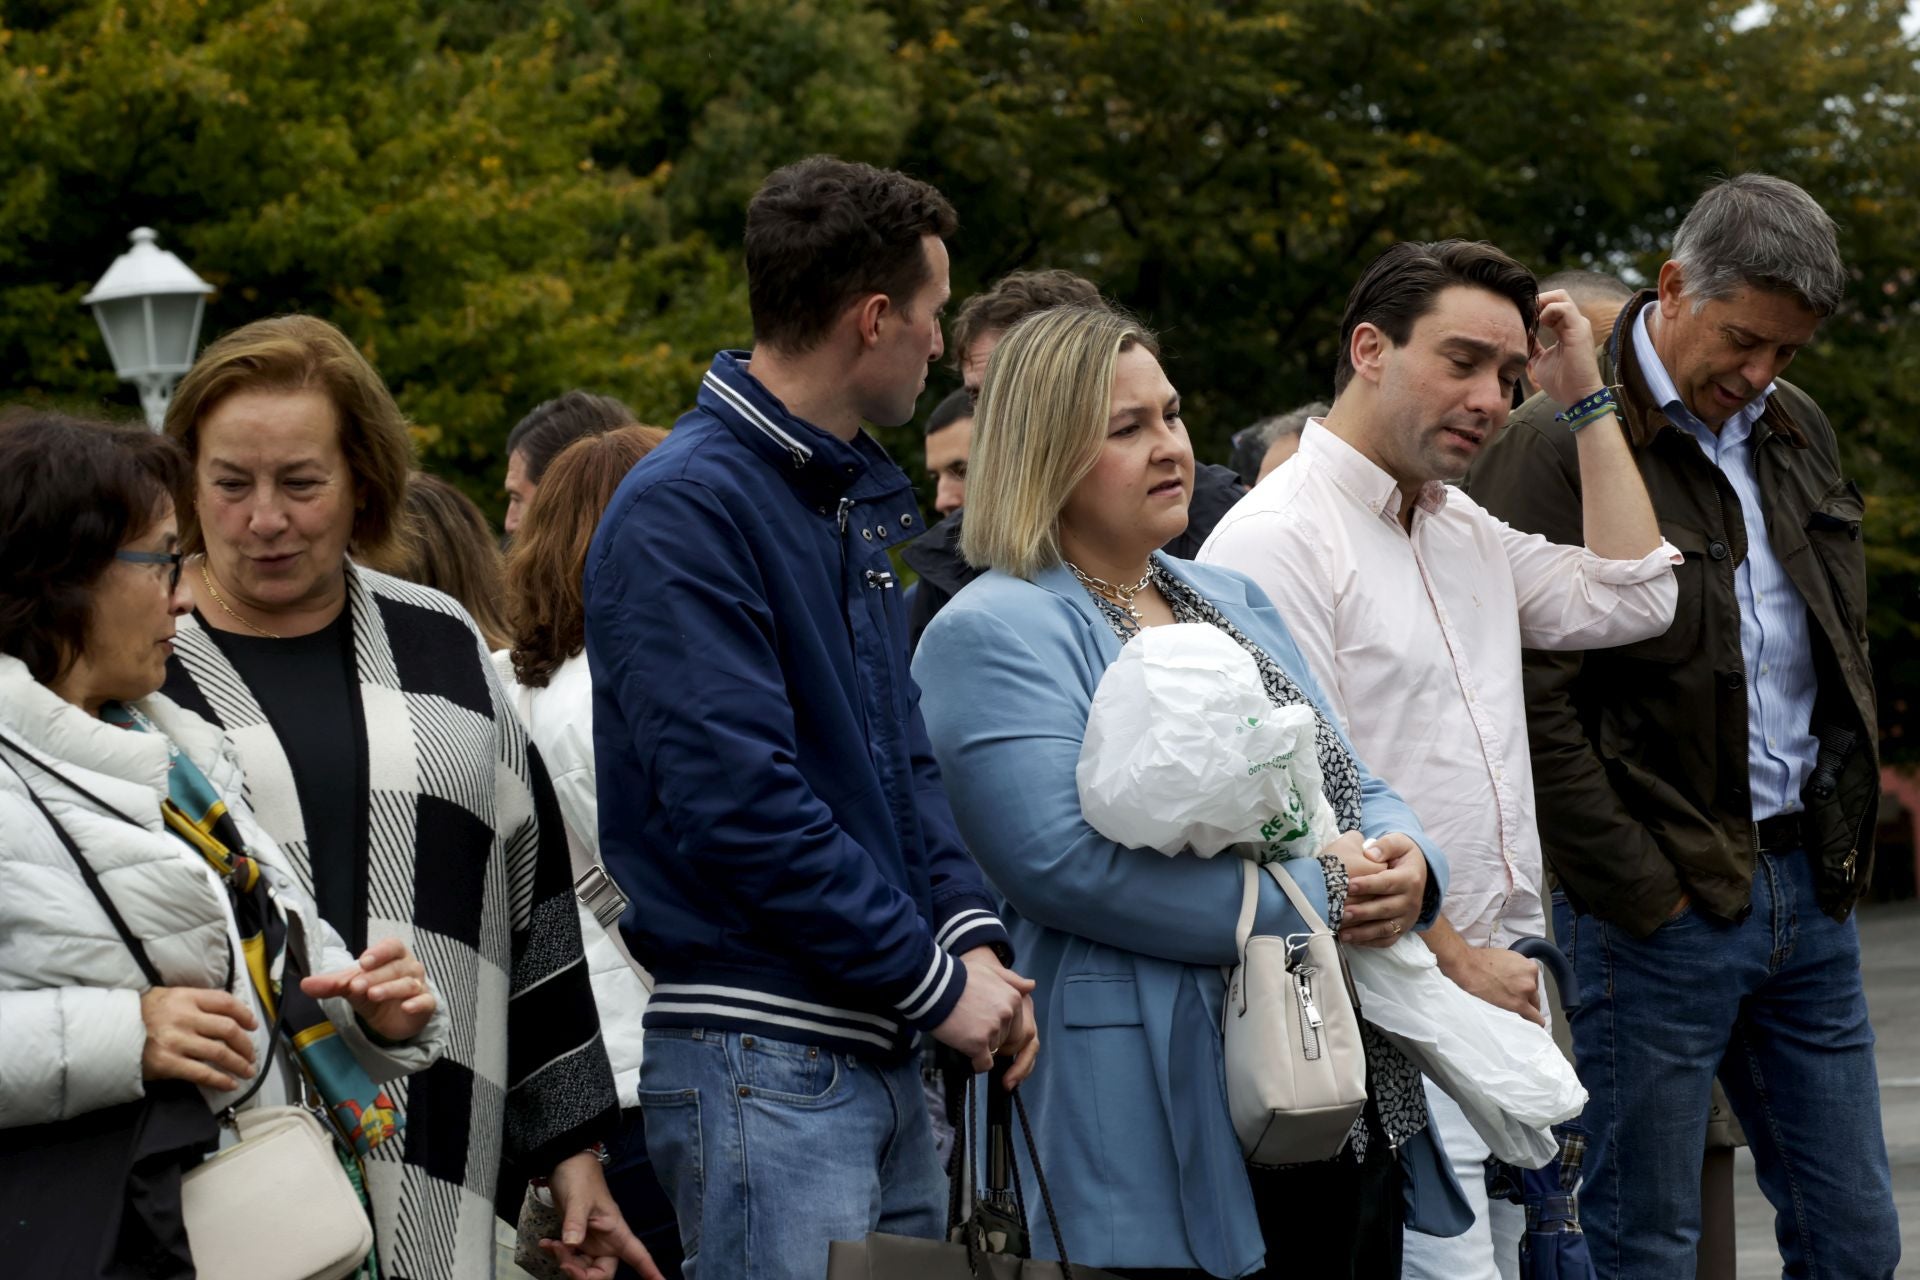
x,y
1395,926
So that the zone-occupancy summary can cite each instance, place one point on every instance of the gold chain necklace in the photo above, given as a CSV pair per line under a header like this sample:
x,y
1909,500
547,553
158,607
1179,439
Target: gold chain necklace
x,y
228,609
1121,594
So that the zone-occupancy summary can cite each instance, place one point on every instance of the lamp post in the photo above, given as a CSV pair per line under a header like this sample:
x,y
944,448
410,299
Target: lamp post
x,y
148,307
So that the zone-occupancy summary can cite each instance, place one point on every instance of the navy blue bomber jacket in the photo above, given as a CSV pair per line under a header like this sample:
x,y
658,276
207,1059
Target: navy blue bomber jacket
x,y
768,796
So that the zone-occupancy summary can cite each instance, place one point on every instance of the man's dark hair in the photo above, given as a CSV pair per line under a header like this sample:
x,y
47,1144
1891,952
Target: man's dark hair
x,y
72,492
1403,283
822,232
957,407
554,424
1012,299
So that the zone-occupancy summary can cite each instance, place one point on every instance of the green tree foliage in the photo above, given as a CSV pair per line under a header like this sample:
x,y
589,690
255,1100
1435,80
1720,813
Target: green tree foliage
x,y
500,199
1228,169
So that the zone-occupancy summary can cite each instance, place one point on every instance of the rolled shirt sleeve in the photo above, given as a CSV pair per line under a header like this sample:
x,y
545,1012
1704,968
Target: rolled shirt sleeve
x,y
1570,598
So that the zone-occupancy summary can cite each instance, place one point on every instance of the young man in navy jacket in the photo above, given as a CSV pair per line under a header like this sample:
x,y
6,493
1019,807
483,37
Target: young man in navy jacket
x,y
768,797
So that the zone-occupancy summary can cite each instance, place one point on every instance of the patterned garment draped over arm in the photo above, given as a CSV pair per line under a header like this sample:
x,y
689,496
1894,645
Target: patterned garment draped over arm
x,y
560,1097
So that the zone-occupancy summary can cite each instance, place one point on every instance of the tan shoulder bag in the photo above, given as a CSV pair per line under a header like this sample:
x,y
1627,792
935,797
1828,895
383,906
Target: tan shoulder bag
x,y
1296,1070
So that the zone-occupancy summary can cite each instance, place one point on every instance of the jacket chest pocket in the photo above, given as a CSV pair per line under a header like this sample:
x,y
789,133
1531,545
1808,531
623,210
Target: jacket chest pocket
x,y
1701,555
1833,529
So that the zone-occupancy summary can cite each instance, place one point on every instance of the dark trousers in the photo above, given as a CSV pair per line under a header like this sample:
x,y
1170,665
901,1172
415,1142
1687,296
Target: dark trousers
x,y
1334,1220
643,1201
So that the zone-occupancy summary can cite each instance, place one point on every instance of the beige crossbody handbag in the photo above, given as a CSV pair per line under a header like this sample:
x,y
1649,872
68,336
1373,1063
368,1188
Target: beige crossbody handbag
x,y
1296,1070
275,1206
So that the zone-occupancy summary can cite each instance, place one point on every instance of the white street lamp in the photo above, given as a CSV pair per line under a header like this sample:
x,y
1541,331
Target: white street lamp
x,y
148,306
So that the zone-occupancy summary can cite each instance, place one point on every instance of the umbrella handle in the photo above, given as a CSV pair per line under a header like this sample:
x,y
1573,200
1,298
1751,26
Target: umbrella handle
x,y
1554,961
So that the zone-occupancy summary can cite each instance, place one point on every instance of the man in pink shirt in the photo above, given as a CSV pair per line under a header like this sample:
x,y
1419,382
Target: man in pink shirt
x,y
1411,603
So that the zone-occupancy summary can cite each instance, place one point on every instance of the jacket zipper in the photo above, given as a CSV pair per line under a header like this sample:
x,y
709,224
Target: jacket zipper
x,y
846,505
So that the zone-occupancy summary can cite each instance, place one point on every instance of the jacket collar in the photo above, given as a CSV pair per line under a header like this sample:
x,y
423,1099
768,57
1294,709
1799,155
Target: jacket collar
x,y
1645,419
59,733
823,467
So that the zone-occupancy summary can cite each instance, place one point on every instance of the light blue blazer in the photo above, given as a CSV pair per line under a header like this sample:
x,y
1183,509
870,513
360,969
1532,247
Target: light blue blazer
x,y
1129,1098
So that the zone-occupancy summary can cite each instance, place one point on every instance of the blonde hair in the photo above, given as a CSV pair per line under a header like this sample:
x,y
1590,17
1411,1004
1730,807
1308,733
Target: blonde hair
x,y
305,353
1038,430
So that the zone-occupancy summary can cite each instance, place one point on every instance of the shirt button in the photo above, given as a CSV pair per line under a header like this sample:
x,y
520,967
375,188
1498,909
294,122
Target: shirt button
x,y
1764,668
1718,550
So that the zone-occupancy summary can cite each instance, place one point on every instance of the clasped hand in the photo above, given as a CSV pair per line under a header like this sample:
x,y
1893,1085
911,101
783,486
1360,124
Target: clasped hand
x,y
1386,887
994,1017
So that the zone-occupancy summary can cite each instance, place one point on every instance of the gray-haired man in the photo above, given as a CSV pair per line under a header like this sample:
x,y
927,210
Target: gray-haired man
x,y
1708,796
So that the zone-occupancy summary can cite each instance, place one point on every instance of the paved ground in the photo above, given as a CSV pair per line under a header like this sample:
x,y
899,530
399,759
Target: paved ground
x,y
1890,940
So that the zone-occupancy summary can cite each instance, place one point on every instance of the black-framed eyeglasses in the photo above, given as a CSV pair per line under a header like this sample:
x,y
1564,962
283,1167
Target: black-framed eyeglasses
x,y
173,559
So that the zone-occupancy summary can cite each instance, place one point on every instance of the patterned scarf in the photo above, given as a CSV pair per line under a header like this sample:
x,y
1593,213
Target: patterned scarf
x,y
363,1114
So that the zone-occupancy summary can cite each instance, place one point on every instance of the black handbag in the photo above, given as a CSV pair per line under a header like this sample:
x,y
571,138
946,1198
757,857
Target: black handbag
x,y
97,1196
990,1241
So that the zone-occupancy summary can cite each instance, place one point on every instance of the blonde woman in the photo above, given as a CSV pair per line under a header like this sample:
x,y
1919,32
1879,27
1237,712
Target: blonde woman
x,y
1080,469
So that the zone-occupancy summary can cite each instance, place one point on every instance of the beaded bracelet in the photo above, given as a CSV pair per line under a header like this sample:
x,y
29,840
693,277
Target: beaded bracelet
x,y
1598,405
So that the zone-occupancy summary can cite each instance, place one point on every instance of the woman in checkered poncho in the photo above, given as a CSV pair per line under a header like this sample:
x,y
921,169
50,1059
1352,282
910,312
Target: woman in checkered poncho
x,y
382,755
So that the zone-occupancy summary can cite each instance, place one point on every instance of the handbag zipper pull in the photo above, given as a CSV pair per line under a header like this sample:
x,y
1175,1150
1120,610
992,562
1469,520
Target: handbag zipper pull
x,y
1307,1006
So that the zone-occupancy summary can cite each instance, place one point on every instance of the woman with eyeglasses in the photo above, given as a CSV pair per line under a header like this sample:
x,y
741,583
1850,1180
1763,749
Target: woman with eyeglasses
x,y
155,948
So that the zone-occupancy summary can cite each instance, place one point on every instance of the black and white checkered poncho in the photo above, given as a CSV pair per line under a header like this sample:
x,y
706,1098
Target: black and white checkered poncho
x,y
467,862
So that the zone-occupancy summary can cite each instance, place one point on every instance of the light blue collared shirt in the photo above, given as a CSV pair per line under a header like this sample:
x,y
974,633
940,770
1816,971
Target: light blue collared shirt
x,y
1778,652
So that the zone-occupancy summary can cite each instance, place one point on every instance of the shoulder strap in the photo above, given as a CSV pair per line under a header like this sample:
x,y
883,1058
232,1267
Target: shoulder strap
x,y
1298,897
99,891
1250,902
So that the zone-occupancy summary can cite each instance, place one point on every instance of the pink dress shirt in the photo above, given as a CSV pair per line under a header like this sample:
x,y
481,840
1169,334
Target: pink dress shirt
x,y
1416,638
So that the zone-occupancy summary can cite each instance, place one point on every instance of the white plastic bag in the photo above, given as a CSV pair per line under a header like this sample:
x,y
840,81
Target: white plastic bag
x,y
1183,750
1507,1074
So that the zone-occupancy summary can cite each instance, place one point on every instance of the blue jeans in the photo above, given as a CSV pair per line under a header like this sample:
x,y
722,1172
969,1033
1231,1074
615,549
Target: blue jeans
x,y
770,1150
1775,1005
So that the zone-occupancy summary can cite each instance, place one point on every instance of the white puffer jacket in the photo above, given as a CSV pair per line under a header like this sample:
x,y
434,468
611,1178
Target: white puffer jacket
x,y
559,719
71,1033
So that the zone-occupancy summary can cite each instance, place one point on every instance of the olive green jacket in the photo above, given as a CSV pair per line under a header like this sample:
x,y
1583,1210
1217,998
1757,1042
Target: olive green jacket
x,y
1640,752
